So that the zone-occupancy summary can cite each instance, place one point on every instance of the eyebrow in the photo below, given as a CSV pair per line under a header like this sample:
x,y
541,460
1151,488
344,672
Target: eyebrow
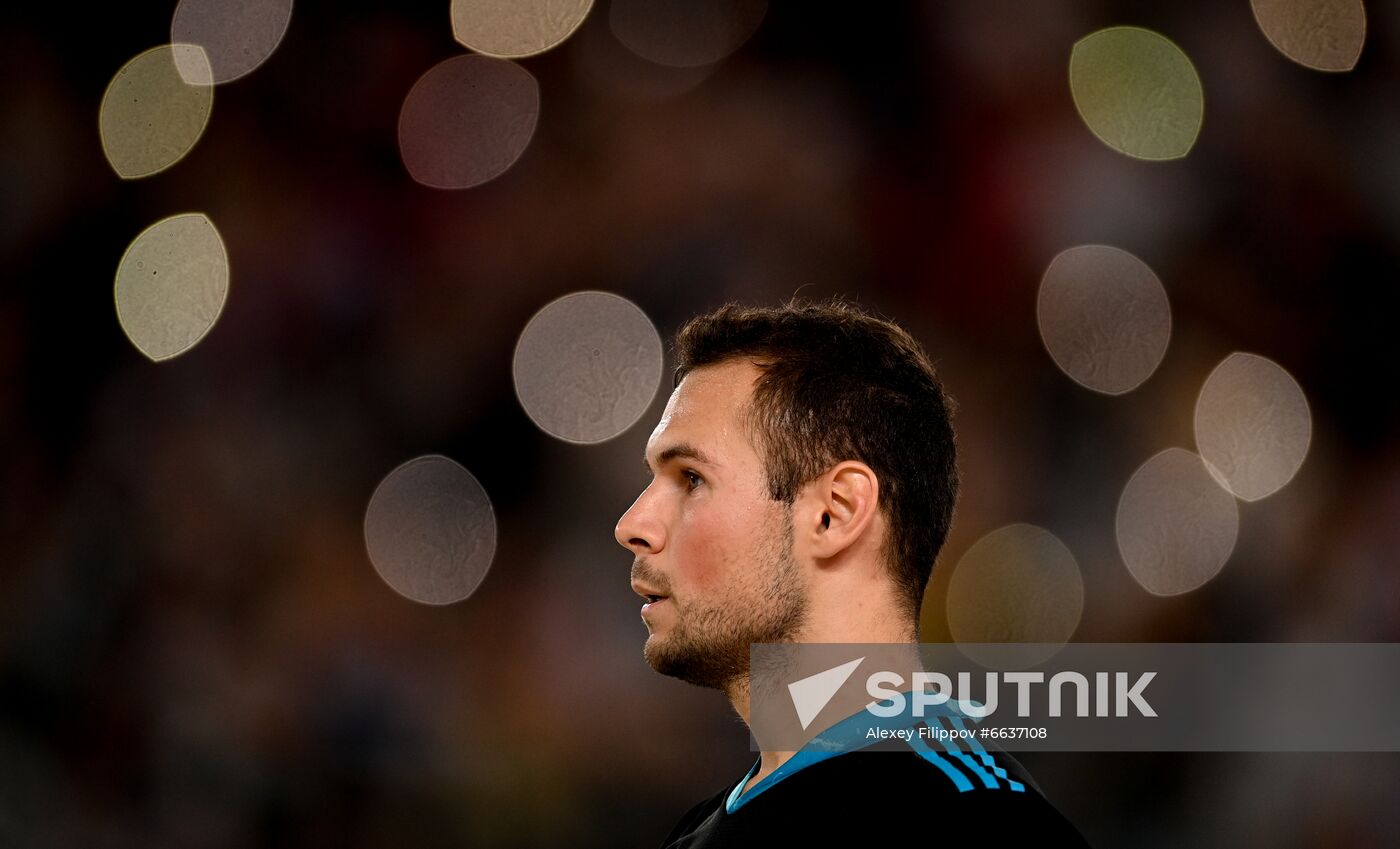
x,y
679,450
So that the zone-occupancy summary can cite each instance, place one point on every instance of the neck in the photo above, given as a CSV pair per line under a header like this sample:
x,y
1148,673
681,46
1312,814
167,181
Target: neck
x,y
861,625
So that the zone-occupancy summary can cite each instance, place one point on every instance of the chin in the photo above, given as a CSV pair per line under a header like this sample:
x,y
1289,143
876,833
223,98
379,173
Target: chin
x,y
661,657
691,666
654,652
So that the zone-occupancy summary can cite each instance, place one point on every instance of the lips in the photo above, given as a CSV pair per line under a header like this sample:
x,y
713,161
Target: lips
x,y
651,606
651,594
653,601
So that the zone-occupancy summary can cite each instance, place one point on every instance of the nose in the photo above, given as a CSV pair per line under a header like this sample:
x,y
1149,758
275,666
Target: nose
x,y
639,530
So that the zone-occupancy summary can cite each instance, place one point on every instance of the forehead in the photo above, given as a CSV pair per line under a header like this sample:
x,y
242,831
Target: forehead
x,y
706,410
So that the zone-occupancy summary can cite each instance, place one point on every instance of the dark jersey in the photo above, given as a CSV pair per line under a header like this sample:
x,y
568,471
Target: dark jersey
x,y
914,795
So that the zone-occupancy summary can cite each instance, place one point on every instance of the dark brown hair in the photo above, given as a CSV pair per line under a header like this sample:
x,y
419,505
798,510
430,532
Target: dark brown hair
x,y
840,384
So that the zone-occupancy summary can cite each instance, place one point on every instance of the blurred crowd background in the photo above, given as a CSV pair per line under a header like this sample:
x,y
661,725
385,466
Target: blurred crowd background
x,y
194,647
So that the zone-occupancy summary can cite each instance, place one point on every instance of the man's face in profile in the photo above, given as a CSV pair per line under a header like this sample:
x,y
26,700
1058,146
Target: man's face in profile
x,y
708,539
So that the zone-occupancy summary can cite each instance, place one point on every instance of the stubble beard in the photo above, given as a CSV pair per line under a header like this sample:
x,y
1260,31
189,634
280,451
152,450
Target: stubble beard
x,y
709,645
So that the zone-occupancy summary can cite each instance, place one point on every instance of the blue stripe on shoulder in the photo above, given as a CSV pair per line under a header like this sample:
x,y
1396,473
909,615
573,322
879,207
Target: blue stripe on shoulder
x,y
1015,786
951,746
954,774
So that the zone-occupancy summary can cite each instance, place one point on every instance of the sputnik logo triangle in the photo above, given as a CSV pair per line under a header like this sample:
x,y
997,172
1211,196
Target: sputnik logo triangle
x,y
811,694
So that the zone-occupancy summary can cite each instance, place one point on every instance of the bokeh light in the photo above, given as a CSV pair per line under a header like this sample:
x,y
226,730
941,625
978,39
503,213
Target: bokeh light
x,y
1325,35
1137,92
587,366
512,29
685,33
171,285
1017,584
1253,425
1104,317
430,531
1175,526
150,116
467,120
616,73
237,36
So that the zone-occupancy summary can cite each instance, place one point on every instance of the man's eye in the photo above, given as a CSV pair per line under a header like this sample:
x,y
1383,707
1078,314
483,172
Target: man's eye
x,y
692,480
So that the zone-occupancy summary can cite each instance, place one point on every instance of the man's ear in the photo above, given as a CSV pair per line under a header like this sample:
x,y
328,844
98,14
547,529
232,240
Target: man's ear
x,y
838,507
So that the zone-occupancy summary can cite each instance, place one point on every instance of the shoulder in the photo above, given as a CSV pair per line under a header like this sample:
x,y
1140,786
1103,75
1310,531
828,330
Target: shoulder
x,y
922,771
927,794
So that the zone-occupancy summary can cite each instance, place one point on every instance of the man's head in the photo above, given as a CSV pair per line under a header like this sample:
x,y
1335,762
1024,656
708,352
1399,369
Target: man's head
x,y
805,462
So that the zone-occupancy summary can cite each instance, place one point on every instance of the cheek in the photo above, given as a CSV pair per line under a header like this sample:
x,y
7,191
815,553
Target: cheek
x,y
711,551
